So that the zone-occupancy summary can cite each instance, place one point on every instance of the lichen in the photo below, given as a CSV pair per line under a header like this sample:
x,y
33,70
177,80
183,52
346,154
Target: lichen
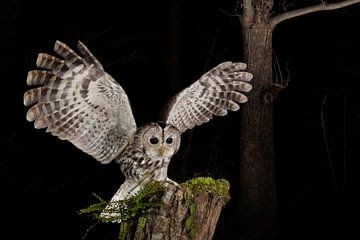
x,y
218,188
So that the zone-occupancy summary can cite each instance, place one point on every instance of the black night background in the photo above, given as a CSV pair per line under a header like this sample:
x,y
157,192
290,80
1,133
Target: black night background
x,y
154,49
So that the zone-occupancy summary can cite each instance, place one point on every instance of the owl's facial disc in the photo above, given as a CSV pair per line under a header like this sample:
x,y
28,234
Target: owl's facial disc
x,y
162,141
161,148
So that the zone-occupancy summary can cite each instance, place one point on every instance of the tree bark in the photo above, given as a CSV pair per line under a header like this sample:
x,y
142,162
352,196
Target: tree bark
x,y
171,219
182,213
257,205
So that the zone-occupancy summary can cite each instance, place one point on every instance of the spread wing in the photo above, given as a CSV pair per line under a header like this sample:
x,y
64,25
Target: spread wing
x,y
216,92
78,101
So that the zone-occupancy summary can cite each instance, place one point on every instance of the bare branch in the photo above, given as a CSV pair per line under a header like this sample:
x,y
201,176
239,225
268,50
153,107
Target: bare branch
x,y
229,14
323,6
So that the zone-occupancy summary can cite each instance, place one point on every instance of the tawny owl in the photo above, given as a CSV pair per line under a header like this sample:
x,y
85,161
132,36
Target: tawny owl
x,y
76,100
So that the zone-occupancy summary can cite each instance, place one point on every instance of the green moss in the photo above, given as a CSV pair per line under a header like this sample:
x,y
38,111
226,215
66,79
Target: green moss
x,y
126,210
218,188
189,226
124,229
142,223
95,209
140,204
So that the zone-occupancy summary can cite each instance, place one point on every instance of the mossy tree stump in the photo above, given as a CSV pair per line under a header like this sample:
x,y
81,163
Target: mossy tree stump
x,y
187,211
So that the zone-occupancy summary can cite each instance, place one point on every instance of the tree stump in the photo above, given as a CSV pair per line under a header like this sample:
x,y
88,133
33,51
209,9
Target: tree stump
x,y
187,211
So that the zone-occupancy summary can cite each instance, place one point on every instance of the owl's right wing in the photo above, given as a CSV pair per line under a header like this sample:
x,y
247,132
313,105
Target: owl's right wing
x,y
216,92
78,101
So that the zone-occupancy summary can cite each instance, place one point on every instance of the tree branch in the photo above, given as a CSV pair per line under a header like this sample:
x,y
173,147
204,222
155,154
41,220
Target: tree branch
x,y
306,10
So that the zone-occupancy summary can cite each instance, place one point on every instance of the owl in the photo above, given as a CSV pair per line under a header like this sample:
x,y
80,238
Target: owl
x,y
75,99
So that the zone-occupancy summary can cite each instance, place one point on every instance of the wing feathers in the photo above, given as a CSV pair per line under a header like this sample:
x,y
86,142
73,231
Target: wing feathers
x,y
72,59
88,56
51,63
78,101
215,93
38,77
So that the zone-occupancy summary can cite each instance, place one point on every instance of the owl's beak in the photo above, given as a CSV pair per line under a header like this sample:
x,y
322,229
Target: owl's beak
x,y
161,151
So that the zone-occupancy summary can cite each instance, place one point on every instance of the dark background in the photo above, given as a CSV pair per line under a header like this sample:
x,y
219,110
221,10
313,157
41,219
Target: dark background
x,y
148,46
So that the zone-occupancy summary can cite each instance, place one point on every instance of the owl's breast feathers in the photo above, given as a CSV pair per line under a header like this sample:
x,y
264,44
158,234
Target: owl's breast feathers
x,y
136,164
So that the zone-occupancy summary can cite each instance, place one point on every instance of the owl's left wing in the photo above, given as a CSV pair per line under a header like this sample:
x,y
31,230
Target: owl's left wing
x,y
78,101
216,92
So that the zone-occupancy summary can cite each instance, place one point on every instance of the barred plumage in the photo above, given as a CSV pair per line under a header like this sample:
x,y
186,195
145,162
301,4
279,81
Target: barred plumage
x,y
216,92
70,103
76,100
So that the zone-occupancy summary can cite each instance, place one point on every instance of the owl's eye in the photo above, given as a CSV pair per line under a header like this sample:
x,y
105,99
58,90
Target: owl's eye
x,y
154,140
169,140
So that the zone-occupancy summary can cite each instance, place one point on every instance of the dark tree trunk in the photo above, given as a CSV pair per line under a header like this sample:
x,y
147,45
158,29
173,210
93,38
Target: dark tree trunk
x,y
257,178
257,181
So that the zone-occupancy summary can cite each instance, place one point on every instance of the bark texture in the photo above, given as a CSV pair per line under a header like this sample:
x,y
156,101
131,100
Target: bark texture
x,y
257,205
258,202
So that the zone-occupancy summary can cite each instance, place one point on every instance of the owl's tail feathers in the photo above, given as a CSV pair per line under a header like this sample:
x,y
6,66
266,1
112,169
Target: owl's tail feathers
x,y
116,206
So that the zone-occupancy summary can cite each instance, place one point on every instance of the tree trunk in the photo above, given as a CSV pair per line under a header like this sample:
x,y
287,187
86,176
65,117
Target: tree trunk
x,y
167,211
257,210
257,205
178,218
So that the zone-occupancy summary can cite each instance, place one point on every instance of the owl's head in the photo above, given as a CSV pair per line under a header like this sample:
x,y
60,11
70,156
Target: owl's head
x,y
160,140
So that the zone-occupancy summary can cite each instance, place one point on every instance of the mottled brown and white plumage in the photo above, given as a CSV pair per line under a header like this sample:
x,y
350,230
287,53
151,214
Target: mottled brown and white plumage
x,y
76,100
